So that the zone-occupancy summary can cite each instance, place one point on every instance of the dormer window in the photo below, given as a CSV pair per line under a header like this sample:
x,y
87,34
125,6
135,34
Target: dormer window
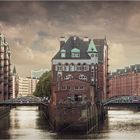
x,y
75,53
63,53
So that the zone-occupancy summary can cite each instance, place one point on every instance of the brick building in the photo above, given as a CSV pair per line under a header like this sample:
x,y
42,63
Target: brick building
x,y
76,65
125,81
79,75
5,75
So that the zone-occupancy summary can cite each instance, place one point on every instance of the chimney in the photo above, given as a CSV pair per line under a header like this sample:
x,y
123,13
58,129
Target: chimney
x,y
86,39
62,41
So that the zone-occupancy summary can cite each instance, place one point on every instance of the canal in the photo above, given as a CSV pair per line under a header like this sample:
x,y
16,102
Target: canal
x,y
28,123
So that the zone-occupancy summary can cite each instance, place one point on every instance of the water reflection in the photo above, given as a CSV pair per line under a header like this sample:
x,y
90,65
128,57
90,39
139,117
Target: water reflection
x,y
29,123
4,127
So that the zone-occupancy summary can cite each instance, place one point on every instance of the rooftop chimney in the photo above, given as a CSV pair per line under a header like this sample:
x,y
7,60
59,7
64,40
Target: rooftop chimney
x,y
62,41
86,39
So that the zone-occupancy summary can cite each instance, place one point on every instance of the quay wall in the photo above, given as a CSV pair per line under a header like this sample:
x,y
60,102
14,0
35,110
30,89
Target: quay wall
x,y
4,111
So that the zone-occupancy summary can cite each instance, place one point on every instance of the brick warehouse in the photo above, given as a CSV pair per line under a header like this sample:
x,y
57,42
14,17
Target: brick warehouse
x,y
125,81
5,76
79,65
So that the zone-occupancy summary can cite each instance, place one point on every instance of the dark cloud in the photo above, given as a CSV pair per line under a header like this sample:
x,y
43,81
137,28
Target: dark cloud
x,y
33,29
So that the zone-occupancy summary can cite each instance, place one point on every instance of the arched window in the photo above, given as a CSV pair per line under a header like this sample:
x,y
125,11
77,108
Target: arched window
x,y
79,68
85,67
72,67
59,67
66,67
83,77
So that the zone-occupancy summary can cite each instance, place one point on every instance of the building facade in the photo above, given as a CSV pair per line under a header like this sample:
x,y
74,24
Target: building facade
x,y
79,75
5,74
79,61
33,83
26,86
125,81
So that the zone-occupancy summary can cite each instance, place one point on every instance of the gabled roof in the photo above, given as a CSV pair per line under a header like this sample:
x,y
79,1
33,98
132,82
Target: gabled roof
x,y
83,47
71,44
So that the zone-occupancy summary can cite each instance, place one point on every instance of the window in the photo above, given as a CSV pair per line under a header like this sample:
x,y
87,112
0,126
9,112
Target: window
x,y
59,67
79,68
68,87
63,87
75,53
92,55
68,77
81,87
63,53
66,67
83,77
76,87
72,67
85,67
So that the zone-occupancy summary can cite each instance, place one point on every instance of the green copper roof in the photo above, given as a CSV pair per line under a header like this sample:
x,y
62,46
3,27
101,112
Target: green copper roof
x,y
63,50
75,50
92,47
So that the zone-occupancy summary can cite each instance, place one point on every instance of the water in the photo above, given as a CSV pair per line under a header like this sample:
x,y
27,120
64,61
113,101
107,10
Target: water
x,y
25,123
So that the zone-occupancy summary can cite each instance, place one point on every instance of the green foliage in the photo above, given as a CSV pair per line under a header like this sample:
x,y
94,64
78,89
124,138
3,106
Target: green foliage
x,y
43,88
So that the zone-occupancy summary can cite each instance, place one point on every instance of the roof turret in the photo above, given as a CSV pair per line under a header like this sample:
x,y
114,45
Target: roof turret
x,y
92,47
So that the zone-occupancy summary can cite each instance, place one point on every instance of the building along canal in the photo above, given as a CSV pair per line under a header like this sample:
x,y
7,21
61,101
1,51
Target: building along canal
x,y
29,123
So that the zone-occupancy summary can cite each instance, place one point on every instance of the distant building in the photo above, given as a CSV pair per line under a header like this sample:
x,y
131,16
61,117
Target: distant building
x,y
125,81
14,83
26,86
23,86
33,85
37,73
5,75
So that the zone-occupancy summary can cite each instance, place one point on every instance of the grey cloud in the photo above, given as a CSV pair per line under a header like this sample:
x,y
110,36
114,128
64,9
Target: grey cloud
x,y
33,29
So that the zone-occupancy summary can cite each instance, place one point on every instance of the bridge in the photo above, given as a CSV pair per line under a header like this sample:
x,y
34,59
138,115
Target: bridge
x,y
23,101
123,101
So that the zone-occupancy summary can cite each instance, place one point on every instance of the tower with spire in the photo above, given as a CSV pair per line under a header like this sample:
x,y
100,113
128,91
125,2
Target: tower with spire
x,y
14,83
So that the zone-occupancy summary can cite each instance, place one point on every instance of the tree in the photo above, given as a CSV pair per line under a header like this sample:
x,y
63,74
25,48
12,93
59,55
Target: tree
x,y
43,88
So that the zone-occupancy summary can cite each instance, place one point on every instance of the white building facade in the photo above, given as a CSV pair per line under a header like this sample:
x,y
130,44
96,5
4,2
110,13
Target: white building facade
x,y
26,86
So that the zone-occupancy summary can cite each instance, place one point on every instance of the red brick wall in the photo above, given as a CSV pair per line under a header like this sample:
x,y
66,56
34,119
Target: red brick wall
x,y
127,84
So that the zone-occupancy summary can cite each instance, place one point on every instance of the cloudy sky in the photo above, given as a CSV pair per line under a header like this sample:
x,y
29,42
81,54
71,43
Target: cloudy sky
x,y
32,30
